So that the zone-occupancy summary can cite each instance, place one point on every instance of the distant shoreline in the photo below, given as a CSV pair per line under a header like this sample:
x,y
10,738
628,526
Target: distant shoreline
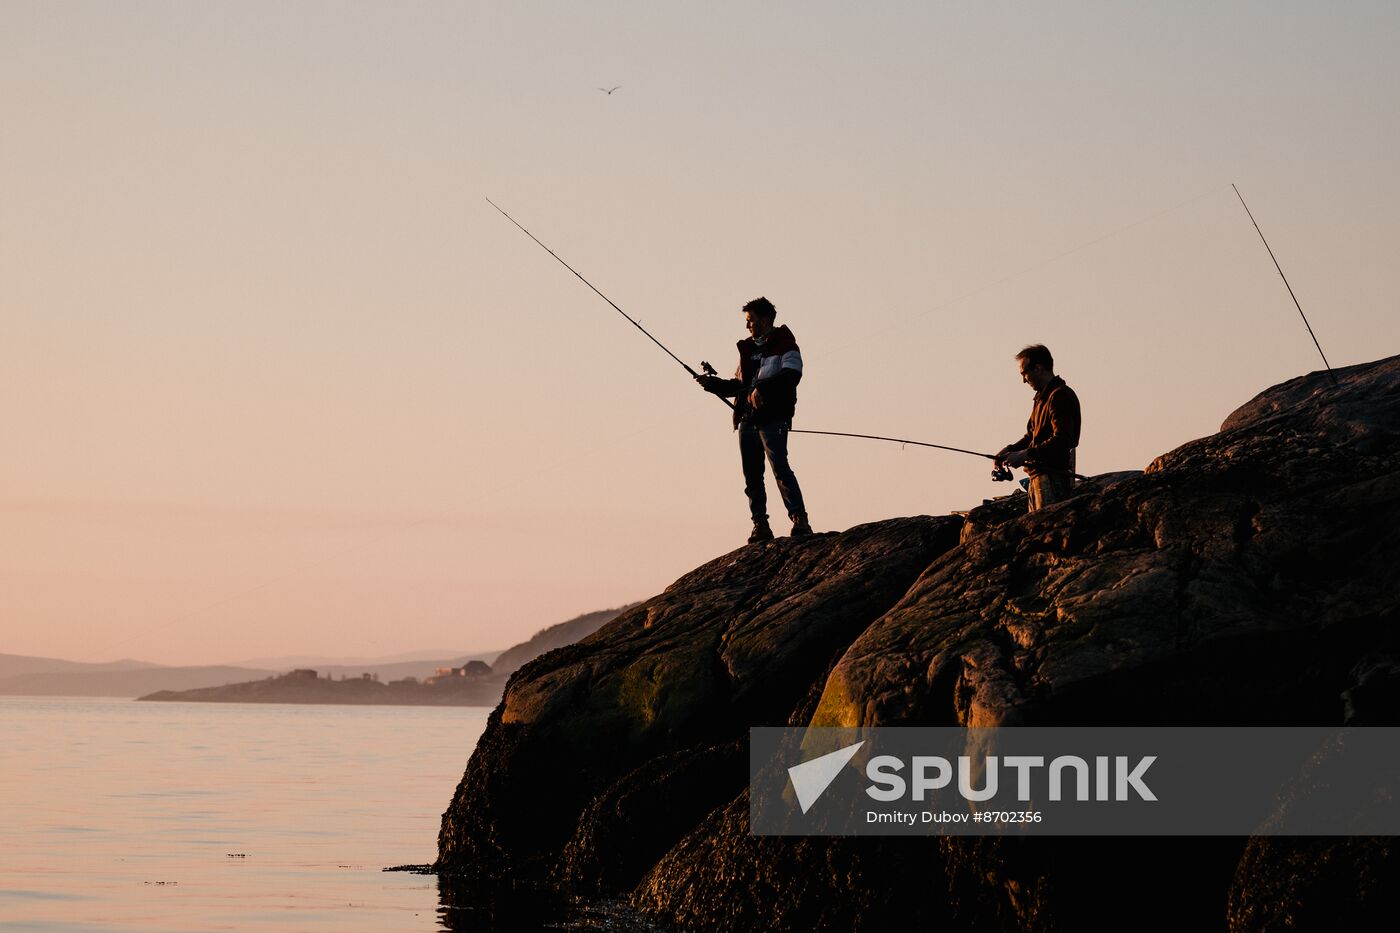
x,y
305,687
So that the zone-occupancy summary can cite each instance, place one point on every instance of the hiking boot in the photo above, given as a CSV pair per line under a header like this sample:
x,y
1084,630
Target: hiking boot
x,y
800,526
761,531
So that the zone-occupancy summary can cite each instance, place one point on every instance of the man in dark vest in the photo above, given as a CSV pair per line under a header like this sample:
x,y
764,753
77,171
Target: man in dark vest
x,y
764,388
1046,452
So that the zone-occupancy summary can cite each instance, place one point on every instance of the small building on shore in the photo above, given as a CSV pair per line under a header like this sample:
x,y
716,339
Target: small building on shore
x,y
470,670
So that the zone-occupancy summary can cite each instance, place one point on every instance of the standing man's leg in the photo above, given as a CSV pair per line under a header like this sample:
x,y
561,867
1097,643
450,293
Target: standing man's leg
x,y
1033,494
1049,488
751,454
775,440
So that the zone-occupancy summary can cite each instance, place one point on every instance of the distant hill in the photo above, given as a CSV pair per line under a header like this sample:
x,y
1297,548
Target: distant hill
x,y
556,636
373,664
12,665
304,686
21,675
91,680
396,670
325,687
87,682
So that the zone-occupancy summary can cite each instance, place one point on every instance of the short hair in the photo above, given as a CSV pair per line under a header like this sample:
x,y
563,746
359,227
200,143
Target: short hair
x,y
1037,355
761,307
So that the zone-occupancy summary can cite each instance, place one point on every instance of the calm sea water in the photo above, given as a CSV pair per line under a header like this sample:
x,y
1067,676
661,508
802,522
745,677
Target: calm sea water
x,y
128,817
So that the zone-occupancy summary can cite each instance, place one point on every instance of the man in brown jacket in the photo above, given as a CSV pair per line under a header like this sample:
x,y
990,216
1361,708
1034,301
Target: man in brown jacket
x,y
1046,452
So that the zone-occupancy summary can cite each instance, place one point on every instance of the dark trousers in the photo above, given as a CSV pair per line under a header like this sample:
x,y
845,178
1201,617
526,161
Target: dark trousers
x,y
754,444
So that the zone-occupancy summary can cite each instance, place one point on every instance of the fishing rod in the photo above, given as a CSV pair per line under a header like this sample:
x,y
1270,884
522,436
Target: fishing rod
x,y
895,440
630,319
1286,285
710,370
998,474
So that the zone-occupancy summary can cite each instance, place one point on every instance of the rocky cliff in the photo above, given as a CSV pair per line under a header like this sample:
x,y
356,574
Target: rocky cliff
x,y
1246,578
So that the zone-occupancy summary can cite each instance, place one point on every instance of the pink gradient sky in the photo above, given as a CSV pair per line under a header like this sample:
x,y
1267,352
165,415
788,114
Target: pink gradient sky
x,y
276,379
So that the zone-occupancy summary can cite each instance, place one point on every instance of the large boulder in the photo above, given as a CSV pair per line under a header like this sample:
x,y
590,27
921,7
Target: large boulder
x,y
1246,578
1236,582
630,713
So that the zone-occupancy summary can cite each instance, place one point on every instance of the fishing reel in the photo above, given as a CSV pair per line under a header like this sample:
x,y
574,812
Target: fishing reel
x,y
707,369
1002,475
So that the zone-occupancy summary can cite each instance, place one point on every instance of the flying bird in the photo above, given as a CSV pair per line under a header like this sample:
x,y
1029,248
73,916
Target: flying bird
x,y
608,90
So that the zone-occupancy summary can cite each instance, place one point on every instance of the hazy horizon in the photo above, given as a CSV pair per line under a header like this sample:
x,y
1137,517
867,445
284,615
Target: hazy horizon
x,y
276,379
276,661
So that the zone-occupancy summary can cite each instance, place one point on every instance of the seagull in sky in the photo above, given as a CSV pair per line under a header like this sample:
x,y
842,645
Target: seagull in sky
x,y
608,90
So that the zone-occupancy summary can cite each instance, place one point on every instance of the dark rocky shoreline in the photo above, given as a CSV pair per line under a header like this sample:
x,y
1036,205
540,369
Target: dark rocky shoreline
x,y
1246,578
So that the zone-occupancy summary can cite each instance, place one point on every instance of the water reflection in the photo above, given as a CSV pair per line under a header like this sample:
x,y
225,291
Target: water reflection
x,y
126,817
471,906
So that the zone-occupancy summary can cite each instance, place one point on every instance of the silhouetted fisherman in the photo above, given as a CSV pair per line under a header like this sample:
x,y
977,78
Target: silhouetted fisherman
x,y
1046,452
764,388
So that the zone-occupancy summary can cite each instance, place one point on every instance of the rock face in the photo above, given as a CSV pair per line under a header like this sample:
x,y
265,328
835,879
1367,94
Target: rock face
x,y
1247,578
608,724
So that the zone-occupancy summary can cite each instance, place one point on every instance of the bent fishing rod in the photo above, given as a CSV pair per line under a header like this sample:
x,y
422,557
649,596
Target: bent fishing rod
x,y
894,440
999,472
710,371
